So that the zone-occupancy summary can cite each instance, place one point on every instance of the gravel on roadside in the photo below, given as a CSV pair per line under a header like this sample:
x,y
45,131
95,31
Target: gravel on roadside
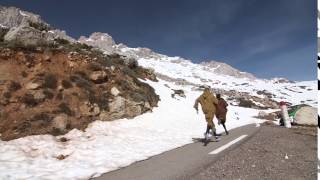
x,y
273,153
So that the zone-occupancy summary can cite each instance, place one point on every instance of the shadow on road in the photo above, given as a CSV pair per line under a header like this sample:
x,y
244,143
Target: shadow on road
x,y
202,140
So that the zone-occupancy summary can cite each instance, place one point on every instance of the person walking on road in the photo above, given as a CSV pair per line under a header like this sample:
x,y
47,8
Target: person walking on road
x,y
208,104
222,112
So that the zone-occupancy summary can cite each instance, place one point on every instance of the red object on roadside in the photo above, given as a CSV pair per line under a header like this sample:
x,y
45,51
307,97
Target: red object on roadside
x,y
282,103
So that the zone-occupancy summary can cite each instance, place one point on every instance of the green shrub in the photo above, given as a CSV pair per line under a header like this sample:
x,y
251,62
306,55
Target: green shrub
x,y
82,74
48,94
29,100
14,86
100,100
64,108
7,95
94,66
246,103
50,81
56,132
75,94
62,41
3,32
59,96
41,117
24,127
79,46
40,26
24,74
81,82
129,71
66,84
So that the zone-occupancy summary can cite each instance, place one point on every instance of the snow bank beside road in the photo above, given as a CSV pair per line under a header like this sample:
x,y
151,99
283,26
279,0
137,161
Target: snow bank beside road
x,y
106,146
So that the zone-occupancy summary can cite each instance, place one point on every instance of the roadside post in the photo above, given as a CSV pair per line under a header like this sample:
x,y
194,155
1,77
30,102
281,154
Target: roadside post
x,y
285,114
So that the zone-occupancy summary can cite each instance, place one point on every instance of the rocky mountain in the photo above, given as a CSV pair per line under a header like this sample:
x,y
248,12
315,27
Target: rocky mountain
x,y
225,69
105,42
281,80
26,28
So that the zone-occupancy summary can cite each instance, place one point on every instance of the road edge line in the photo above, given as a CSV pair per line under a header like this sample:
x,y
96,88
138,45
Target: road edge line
x,y
221,148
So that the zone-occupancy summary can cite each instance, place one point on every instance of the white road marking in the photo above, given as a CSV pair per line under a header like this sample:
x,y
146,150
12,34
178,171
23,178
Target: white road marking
x,y
257,125
218,150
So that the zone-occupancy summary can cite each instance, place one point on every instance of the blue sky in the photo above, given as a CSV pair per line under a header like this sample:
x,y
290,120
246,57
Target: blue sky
x,y
269,38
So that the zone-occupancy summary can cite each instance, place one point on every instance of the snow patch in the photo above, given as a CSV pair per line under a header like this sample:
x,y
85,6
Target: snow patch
x,y
3,26
23,14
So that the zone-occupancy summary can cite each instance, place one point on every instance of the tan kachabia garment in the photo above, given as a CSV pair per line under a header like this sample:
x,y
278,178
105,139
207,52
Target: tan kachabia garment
x,y
208,103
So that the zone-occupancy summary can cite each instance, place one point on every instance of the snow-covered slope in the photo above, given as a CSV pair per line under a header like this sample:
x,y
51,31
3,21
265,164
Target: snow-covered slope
x,y
218,75
106,146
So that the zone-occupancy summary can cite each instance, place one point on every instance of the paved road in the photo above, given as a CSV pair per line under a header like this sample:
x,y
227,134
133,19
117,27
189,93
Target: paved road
x,y
183,162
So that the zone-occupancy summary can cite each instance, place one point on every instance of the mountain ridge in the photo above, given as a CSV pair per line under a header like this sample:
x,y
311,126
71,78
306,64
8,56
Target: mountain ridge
x,y
105,42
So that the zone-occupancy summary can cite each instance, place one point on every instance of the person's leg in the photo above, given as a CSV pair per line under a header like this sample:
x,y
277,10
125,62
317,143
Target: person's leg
x,y
225,129
206,134
213,128
208,128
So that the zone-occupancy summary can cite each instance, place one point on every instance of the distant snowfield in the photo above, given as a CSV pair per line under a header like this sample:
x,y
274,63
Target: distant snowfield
x,y
294,93
107,146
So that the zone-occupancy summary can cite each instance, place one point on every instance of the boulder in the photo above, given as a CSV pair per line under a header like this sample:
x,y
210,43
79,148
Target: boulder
x,y
121,107
33,86
147,106
26,36
268,116
104,116
115,91
306,116
262,114
101,40
60,122
87,109
98,77
95,110
46,58
178,92
133,109
117,107
39,96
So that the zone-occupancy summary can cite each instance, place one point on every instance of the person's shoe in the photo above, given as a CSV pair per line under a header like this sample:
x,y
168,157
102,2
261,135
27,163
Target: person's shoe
x,y
206,136
217,138
227,133
215,134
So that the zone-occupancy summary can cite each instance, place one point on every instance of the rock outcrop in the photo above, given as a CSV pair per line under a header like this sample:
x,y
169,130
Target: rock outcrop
x,y
55,89
26,36
27,29
100,40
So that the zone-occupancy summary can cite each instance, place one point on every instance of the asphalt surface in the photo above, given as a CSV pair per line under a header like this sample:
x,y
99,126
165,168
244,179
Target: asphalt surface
x,y
184,162
272,153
